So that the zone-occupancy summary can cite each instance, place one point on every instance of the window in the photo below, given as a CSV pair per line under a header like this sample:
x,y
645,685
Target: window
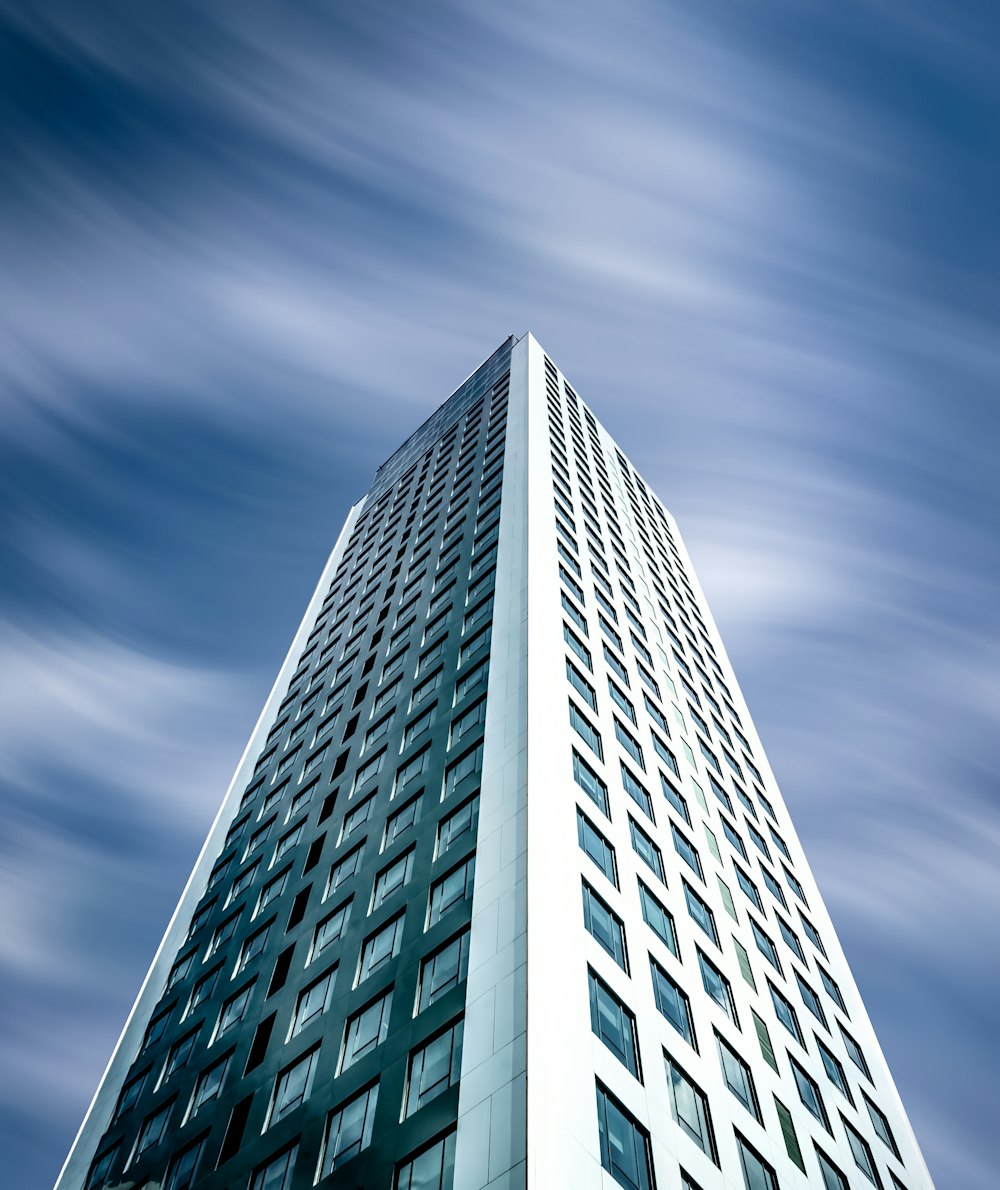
x,y
183,1168
391,879
832,989
765,946
589,734
432,1169
591,783
791,938
443,970
292,1087
313,1001
468,721
717,986
809,1093
180,1053
209,1085
738,1077
614,1024
624,1144
686,851
277,1174
646,849
365,1030
749,888
205,987
637,793
410,771
810,1000
348,1130
675,798
834,1070
624,703
881,1124
658,919
690,1108
785,1013
467,767
833,1178
863,1157
344,869
672,1002
604,925
578,647
380,947
700,912
457,825
854,1052
596,846
401,821
233,1010
630,744
434,1068
757,1174
330,930
788,1133
450,889
581,685
100,1171
153,1129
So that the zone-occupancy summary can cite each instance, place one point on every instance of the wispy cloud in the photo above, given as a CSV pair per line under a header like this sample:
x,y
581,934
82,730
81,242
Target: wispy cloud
x,y
244,246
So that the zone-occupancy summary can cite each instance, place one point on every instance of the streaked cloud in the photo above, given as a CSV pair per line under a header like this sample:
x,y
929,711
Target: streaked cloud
x,y
245,245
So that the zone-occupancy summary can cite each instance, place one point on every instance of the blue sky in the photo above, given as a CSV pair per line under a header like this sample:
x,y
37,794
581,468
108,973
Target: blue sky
x,y
247,247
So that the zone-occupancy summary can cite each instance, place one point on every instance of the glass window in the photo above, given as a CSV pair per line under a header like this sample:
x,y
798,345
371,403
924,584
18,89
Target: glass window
x,y
581,685
810,1000
765,946
153,1129
391,879
401,821
717,986
690,1108
646,849
179,1055
809,1093
686,851
658,918
277,1174
596,846
209,1085
604,925
183,1168
467,767
433,1169
348,1130
624,1144
672,1002
863,1156
854,1052
443,970
330,930
590,783
380,947
457,825
450,890
313,1001
366,1029
757,1174
614,1024
738,1077
434,1068
292,1087
233,1010
881,1124
834,1070
344,869
700,912
586,731
833,1178
637,792
785,1013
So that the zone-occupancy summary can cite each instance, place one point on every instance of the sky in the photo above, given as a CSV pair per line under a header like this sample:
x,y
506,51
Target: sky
x,y
248,247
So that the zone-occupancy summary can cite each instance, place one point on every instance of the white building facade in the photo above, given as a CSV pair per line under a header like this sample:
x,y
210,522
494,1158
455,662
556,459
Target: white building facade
x,y
648,989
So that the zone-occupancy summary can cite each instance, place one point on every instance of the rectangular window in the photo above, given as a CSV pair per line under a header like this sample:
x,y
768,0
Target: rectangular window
x,y
700,912
658,919
578,647
459,824
401,821
614,1024
590,783
313,1001
292,1087
854,1052
450,890
717,986
391,879
344,869
277,1174
625,1151
646,849
604,925
863,1156
738,1077
630,744
833,1177
329,930
431,1169
348,1130
785,1013
765,946
366,1030
809,1093
881,1124
690,1108
810,999
588,733
596,846
379,948
673,1003
581,685
466,769
433,1068
686,851
233,1011
446,968
757,1174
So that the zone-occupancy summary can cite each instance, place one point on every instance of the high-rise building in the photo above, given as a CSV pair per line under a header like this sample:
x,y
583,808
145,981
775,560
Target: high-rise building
x,y
504,893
